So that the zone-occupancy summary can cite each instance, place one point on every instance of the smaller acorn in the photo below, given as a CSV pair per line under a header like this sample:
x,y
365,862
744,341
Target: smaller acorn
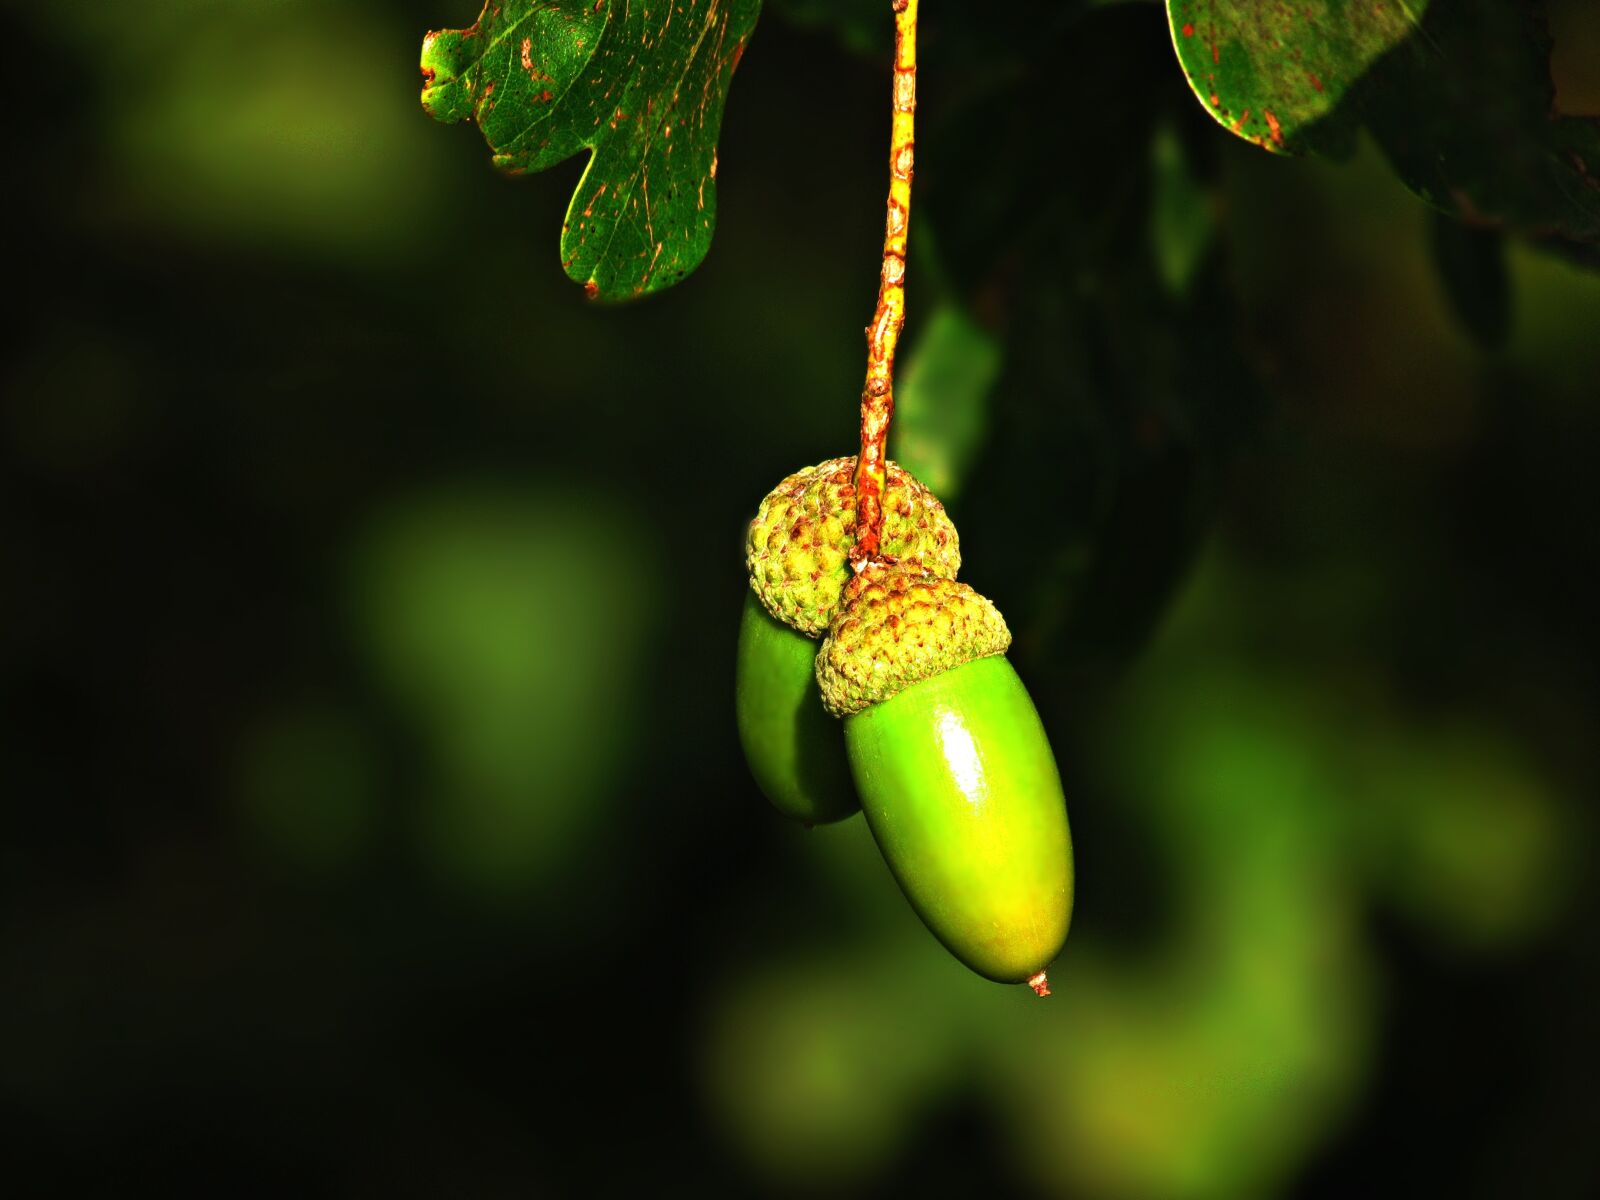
x,y
797,553
793,746
953,768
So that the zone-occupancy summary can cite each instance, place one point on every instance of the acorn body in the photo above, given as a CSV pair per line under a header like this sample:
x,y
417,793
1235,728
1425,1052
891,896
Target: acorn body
x,y
795,750
961,791
953,768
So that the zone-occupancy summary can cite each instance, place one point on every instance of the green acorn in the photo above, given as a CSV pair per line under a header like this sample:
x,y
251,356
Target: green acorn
x,y
953,768
793,746
798,556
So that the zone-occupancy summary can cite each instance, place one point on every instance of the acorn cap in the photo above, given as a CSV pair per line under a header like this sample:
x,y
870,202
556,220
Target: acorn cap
x,y
899,627
799,544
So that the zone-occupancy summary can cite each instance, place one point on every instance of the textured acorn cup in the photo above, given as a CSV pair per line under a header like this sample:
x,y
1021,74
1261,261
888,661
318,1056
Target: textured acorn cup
x,y
794,748
799,544
953,769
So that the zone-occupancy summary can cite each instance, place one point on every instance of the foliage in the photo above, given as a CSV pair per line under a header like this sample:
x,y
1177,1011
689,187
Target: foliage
x,y
640,87
1457,92
1269,73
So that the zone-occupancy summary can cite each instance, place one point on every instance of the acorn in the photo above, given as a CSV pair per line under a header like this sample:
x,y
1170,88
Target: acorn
x,y
794,748
953,768
797,553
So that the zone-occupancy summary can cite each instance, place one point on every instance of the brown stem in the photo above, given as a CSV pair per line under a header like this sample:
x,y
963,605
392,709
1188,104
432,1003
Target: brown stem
x,y
877,394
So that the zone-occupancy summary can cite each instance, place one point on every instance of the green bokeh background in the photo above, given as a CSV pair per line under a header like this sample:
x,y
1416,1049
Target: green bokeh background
x,y
374,819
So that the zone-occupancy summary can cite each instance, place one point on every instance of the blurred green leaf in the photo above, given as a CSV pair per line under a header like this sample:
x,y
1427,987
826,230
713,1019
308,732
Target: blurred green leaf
x,y
502,624
1269,72
1553,342
273,124
941,405
641,87
1467,837
820,1069
1181,221
1212,1062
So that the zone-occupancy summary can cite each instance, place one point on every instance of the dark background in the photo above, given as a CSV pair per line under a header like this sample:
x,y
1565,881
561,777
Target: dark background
x,y
374,820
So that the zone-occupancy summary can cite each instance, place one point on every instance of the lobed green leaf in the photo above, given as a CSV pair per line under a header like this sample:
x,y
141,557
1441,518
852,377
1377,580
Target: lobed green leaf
x,y
640,86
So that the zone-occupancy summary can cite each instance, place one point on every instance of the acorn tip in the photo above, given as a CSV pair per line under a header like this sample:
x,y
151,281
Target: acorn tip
x,y
1040,984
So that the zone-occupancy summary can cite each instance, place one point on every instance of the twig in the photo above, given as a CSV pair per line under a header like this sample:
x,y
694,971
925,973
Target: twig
x,y
877,395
